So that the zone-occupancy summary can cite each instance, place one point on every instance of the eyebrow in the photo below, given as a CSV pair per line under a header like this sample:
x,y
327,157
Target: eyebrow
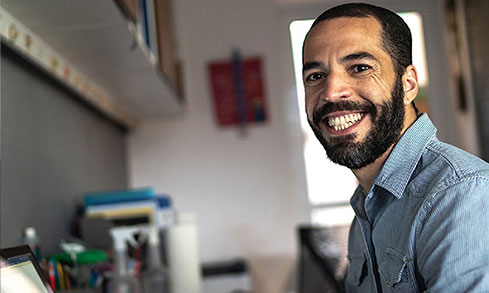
x,y
311,65
350,57
359,56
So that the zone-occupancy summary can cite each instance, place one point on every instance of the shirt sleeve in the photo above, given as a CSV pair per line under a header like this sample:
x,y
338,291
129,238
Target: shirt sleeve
x,y
452,244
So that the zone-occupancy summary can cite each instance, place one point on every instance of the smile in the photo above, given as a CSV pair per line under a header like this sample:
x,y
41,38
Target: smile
x,y
343,122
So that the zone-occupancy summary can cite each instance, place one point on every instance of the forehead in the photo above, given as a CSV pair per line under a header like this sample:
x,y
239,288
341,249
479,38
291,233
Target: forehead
x,y
342,35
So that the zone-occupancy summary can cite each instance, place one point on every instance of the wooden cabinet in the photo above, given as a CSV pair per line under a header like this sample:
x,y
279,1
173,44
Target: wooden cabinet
x,y
101,54
129,8
166,43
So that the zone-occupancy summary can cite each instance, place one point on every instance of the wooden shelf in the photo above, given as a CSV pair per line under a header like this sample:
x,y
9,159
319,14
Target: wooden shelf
x,y
98,43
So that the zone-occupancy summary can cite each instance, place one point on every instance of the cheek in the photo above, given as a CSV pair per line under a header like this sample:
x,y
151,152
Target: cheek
x,y
309,103
312,97
375,89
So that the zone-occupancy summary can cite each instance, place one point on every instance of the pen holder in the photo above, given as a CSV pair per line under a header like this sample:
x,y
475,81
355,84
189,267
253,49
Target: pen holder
x,y
78,272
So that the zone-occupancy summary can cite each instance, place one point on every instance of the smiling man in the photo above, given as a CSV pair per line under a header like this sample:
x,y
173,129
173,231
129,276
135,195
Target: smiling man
x,y
422,206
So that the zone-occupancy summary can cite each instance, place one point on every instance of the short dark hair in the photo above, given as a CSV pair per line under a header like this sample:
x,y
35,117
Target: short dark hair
x,y
396,35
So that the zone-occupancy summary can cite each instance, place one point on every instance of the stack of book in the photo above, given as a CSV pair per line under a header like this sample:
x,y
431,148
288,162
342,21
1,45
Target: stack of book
x,y
129,207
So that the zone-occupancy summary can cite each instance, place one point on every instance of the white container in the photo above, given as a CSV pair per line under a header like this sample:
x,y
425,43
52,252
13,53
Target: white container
x,y
183,255
31,238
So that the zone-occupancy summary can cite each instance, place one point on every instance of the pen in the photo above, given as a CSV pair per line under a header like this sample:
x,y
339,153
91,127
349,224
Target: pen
x,y
52,280
60,276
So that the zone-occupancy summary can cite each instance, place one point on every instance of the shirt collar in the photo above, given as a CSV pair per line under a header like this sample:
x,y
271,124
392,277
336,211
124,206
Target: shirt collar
x,y
357,201
399,166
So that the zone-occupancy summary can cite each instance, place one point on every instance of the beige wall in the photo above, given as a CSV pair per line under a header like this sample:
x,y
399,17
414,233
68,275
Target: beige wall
x,y
247,191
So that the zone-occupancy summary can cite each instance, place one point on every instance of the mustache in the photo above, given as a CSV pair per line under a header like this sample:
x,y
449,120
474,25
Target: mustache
x,y
330,107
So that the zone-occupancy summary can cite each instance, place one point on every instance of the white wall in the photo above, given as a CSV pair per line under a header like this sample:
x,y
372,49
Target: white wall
x,y
248,192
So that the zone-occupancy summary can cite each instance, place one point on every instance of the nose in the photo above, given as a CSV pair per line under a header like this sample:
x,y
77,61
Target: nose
x,y
335,87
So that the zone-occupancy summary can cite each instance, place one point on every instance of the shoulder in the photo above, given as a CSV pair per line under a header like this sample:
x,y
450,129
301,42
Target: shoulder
x,y
452,185
460,162
455,186
443,167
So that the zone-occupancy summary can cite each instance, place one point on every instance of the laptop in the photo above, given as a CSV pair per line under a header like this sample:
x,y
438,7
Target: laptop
x,y
20,272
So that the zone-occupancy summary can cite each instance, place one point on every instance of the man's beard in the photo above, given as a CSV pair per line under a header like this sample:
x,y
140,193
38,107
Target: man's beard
x,y
385,131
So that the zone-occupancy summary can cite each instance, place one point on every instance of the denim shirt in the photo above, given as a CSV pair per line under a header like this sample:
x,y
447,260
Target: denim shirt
x,y
424,224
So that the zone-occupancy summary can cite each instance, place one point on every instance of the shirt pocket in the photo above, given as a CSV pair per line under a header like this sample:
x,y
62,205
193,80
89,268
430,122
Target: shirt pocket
x,y
394,272
356,269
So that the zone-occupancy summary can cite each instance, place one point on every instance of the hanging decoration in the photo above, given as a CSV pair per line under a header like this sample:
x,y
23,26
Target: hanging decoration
x,y
238,91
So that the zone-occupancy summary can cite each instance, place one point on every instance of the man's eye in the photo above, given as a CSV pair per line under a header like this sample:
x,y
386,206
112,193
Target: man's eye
x,y
360,68
314,77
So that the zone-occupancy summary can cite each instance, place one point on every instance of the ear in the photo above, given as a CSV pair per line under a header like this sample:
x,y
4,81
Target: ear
x,y
410,84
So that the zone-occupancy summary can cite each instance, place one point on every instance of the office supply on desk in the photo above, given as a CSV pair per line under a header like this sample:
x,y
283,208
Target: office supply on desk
x,y
227,276
155,276
123,280
21,272
122,208
110,197
31,238
82,269
181,242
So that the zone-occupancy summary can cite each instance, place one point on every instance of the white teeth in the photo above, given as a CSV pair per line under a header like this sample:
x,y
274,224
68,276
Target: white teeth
x,y
344,121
